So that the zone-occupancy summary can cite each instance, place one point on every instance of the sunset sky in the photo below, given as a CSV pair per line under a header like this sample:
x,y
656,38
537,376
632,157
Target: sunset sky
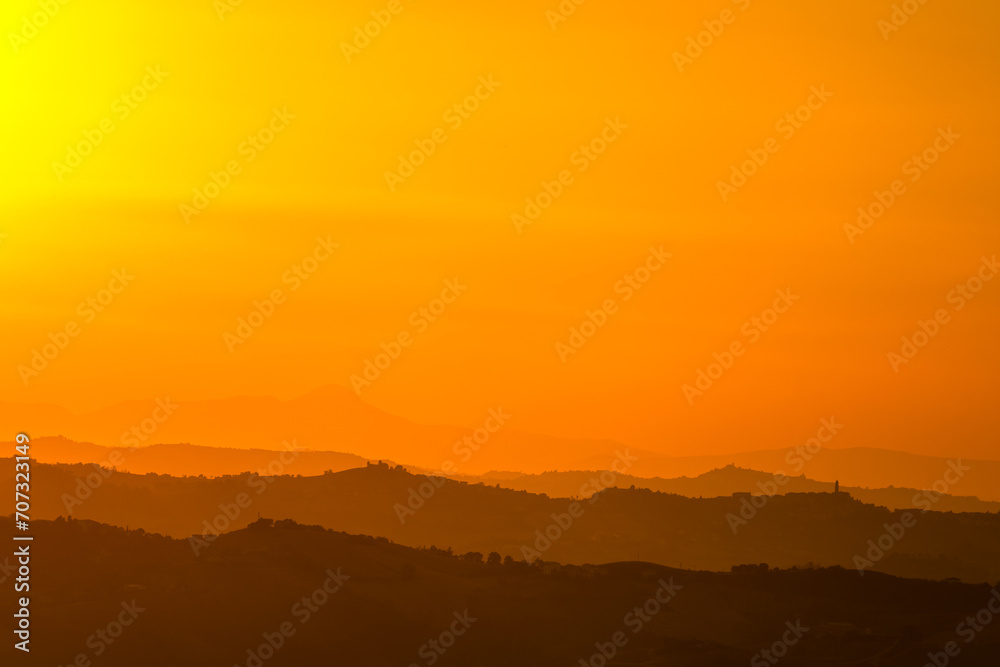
x,y
608,74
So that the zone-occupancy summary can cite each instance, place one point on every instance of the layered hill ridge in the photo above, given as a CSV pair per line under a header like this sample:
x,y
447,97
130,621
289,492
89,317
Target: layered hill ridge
x,y
614,524
331,418
334,421
342,595
733,479
978,481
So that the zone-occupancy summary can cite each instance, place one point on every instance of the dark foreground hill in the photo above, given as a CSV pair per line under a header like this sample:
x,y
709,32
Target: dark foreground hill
x,y
615,525
304,596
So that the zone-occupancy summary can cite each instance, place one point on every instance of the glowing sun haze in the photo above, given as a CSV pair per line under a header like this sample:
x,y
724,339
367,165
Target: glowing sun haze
x,y
678,125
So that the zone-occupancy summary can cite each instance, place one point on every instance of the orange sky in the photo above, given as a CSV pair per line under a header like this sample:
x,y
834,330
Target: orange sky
x,y
608,72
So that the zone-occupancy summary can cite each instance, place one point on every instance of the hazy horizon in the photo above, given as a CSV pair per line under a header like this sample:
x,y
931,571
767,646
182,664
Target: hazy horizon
x,y
547,332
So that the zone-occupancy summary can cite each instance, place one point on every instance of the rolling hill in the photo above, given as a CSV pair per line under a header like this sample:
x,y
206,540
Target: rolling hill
x,y
615,524
285,594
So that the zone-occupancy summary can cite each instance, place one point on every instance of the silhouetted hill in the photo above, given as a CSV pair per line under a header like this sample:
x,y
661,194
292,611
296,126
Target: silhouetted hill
x,y
186,459
387,603
856,466
981,480
333,419
619,524
727,481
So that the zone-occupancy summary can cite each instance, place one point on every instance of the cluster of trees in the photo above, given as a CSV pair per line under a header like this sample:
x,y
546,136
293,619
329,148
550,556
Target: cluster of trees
x,y
104,530
493,559
750,568
381,465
